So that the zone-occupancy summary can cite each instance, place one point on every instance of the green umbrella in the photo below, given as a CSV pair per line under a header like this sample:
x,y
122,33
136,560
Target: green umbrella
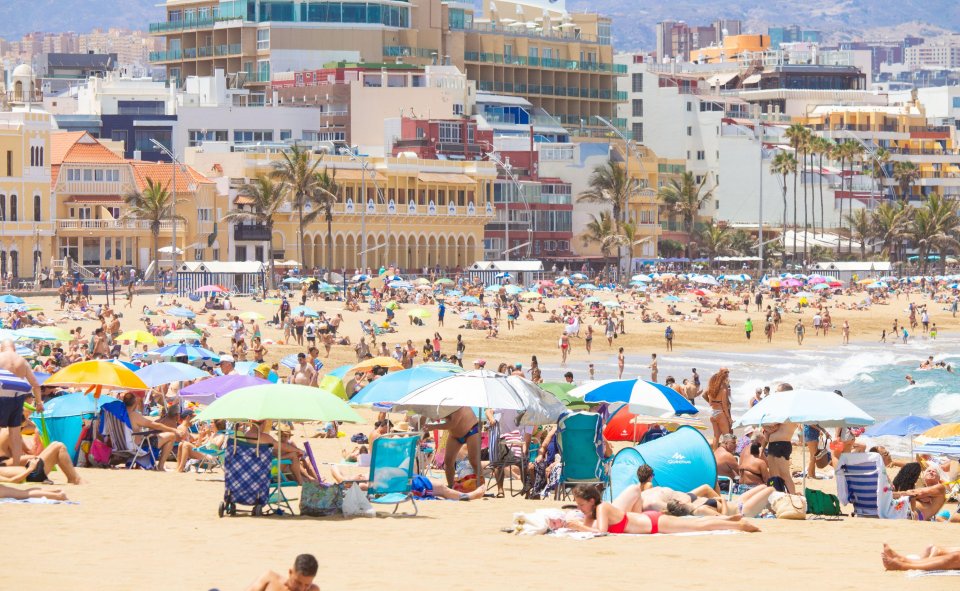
x,y
562,391
419,313
280,402
327,289
443,281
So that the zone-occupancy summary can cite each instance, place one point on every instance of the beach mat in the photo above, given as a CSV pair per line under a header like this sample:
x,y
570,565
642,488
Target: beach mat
x,y
38,501
583,535
912,574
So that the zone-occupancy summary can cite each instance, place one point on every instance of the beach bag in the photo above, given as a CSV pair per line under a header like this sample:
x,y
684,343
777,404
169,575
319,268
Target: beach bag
x,y
355,502
100,452
321,500
787,506
821,503
823,453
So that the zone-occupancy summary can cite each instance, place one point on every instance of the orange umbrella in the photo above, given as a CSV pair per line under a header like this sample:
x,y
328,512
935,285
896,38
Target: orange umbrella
x,y
368,364
97,376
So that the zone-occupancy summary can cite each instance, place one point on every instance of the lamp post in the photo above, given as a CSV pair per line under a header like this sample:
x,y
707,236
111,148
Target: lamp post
x,y
362,160
173,208
508,169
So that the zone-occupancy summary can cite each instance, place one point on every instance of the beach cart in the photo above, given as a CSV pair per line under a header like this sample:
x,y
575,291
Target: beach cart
x,y
246,470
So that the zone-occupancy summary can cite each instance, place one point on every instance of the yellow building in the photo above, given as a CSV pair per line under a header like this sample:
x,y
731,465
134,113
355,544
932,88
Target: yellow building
x,y
419,213
734,46
26,206
90,181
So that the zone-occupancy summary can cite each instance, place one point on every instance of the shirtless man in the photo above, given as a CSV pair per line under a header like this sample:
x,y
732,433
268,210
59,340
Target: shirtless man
x,y
753,470
642,496
141,423
299,578
304,373
926,502
37,468
464,429
11,402
727,463
779,447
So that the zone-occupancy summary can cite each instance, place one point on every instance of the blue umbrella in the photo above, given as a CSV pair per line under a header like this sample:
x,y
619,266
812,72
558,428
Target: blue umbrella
x,y
41,376
131,366
25,351
289,280
168,372
578,276
307,311
290,361
902,426
820,286
563,281
191,352
340,371
648,398
400,285
469,300
181,313
513,289
75,404
492,287
671,298
949,447
587,286
394,386
10,299
453,293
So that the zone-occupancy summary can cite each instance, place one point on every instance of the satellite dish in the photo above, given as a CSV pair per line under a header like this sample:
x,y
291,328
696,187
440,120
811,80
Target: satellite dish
x,y
334,278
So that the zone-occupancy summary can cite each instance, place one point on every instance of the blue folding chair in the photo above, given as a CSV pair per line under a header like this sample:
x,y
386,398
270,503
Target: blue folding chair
x,y
580,443
392,463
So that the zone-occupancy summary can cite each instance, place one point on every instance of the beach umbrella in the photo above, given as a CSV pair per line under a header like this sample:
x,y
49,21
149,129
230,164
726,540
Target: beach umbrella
x,y
443,281
611,304
562,391
578,276
945,447
805,294
290,361
131,366
906,426
480,388
821,286
469,300
279,402
181,313
539,406
939,432
137,336
387,363
359,278
419,313
513,289
75,404
392,387
191,352
421,281
25,351
400,285
705,280
470,315
251,316
806,407
291,281
334,385
34,333
98,376
168,372
587,286
878,285
208,390
591,300
546,283
454,293
563,281
10,299
698,292
671,298
308,312
212,289
643,397
184,334
641,278
327,288
791,282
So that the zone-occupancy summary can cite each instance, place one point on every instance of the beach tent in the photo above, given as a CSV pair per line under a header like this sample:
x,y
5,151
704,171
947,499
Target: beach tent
x,y
64,416
682,460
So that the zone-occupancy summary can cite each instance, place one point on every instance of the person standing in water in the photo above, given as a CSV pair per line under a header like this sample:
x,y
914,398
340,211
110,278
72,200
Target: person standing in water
x,y
654,370
620,362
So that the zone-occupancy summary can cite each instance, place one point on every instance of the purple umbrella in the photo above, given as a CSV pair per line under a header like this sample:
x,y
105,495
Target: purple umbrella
x,y
206,391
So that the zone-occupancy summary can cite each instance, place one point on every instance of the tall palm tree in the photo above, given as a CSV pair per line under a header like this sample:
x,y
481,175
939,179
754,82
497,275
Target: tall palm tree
x,y
860,224
741,243
686,197
153,205
855,154
267,199
297,172
716,240
784,164
796,135
602,230
324,196
891,222
821,147
611,186
935,225
905,173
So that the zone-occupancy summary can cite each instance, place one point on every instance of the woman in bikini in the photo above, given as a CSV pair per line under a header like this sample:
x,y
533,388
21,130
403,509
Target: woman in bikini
x,y
600,517
717,396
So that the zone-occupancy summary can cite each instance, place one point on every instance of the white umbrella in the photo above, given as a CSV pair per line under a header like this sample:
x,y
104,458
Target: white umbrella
x,y
540,407
806,407
478,388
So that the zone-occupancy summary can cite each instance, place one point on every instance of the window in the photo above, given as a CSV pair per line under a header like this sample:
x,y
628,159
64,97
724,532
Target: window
x,y
198,136
689,106
143,139
421,133
324,136
285,134
689,130
638,132
956,102
98,175
87,174
36,208
263,38
638,107
204,214
9,162
73,174
701,154
113,175
637,80
13,208
450,132
457,109
141,108
252,135
198,254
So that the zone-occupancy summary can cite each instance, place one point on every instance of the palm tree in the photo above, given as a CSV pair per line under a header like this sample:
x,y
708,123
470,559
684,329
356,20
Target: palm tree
x,y
686,197
860,224
323,197
880,158
821,147
935,225
602,231
905,173
742,243
890,222
856,152
796,135
267,199
297,174
611,186
153,205
716,240
784,164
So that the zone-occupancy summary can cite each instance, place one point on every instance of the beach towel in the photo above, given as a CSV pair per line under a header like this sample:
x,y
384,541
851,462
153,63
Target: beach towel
x,y
912,574
38,501
584,535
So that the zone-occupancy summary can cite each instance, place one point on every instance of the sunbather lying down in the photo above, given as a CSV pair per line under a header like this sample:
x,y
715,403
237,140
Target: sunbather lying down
x,y
422,487
8,492
933,558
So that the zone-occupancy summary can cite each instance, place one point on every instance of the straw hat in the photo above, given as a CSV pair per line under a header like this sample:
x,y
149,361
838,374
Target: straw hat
x,y
402,426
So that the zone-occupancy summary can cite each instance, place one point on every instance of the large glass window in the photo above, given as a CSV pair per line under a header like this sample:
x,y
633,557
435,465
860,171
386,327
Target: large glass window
x,y
263,38
450,133
637,80
198,136
143,139
252,135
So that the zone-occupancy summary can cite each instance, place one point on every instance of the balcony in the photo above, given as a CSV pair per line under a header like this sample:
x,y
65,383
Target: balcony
x,y
182,25
255,232
547,63
112,225
25,96
166,56
231,49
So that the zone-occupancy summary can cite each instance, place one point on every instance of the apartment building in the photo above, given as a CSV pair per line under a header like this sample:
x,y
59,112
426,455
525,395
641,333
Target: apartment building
x,y
677,39
941,53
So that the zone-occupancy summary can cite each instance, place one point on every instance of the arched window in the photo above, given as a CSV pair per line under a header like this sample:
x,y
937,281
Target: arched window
x,y
15,264
36,208
33,156
3,207
40,156
13,208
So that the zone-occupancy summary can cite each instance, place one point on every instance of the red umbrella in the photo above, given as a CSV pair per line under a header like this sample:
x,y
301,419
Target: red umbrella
x,y
620,427
835,284
698,292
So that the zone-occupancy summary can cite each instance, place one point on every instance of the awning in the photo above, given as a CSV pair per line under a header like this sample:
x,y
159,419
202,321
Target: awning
x,y
353,174
721,79
448,179
751,79
94,199
243,200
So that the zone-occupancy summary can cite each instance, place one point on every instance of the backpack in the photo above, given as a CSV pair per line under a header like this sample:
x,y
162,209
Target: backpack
x,y
821,503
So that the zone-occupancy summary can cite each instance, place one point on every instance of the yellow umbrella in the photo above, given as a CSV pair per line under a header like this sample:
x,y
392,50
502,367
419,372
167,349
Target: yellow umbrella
x,y
252,316
419,313
530,295
866,281
137,336
939,432
57,332
334,385
97,376
368,364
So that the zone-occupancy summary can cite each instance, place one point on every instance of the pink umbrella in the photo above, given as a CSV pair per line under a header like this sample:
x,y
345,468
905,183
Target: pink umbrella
x,y
546,283
815,279
212,289
791,282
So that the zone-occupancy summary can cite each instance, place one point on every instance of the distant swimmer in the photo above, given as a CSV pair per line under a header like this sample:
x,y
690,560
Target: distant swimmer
x,y
927,363
910,380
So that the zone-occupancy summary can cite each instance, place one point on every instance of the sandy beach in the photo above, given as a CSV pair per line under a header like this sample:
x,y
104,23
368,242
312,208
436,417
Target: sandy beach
x,y
151,530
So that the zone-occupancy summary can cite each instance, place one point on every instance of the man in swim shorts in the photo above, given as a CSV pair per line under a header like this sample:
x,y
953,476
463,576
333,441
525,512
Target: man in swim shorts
x,y
464,429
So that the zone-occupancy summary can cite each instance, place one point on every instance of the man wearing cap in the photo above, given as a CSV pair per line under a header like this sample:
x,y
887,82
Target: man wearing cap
x,y
397,353
227,365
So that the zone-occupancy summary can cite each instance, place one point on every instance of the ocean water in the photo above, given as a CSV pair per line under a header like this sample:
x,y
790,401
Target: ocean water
x,y
872,375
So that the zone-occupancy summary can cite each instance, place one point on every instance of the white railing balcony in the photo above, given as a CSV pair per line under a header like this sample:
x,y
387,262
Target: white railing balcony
x,y
112,225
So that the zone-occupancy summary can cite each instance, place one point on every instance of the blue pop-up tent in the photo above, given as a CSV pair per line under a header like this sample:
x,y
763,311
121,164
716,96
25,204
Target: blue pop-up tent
x,y
682,460
64,416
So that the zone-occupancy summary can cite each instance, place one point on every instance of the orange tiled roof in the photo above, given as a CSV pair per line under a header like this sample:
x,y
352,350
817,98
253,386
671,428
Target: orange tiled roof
x,y
80,147
162,172
60,144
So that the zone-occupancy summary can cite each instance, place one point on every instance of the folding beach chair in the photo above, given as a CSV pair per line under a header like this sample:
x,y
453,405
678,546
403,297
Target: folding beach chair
x,y
862,481
580,444
124,446
392,470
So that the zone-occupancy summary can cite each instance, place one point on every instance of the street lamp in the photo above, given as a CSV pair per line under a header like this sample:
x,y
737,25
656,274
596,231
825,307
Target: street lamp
x,y
173,207
508,169
362,160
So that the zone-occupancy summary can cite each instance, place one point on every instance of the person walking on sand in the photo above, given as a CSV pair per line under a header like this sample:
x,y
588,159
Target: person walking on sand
x,y
906,335
620,364
668,335
564,345
748,327
799,330
654,370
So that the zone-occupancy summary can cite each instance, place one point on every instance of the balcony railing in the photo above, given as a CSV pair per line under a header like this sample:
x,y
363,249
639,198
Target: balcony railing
x,y
166,56
25,96
536,62
231,49
112,225
251,232
521,30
